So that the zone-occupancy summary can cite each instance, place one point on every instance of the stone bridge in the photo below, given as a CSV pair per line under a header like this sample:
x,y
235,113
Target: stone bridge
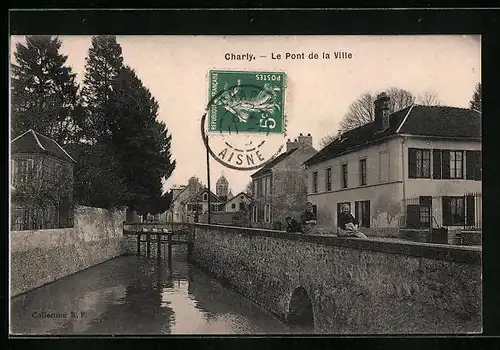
x,y
346,285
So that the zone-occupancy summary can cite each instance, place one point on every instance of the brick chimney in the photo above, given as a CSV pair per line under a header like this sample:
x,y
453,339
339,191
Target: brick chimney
x,y
299,141
382,111
305,140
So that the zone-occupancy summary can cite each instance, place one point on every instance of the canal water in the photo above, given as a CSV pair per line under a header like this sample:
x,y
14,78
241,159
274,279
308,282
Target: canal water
x,y
133,295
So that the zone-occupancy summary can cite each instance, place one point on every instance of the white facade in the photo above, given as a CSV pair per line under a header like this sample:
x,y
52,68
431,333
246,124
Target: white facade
x,y
385,185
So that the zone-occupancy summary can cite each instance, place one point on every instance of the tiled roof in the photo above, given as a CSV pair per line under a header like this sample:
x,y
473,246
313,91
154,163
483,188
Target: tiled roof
x,y
434,121
239,194
34,142
266,168
443,121
195,197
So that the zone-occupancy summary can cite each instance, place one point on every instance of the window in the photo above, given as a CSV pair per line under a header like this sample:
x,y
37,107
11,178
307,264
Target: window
x,y
242,206
267,213
264,188
260,212
254,214
449,164
456,164
344,175
233,206
453,211
23,169
205,196
255,189
362,172
362,213
315,182
425,211
419,163
473,164
329,179
383,159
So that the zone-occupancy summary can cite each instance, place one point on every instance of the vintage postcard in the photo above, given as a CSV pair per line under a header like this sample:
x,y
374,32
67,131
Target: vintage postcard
x,y
166,185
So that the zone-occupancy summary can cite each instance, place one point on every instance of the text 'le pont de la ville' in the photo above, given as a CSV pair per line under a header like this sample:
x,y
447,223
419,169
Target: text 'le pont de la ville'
x,y
336,55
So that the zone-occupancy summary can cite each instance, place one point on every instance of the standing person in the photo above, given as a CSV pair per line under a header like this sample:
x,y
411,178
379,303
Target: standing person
x,y
292,225
348,225
309,218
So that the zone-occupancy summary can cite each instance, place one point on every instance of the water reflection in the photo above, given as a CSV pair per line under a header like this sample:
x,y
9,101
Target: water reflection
x,y
134,295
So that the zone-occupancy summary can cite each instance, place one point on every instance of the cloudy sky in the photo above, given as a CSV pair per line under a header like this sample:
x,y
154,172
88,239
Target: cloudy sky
x,y
175,69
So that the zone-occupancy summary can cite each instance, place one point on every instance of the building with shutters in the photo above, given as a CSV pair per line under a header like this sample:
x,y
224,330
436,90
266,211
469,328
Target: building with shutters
x,y
41,185
417,167
280,187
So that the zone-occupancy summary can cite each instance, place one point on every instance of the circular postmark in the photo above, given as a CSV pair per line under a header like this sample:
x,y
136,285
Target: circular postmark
x,y
244,126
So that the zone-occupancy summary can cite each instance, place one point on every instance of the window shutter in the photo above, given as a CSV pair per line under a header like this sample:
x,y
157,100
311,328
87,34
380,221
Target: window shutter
x,y
446,164
473,165
470,165
412,163
339,205
366,214
425,200
436,164
412,216
447,220
470,214
478,173
356,211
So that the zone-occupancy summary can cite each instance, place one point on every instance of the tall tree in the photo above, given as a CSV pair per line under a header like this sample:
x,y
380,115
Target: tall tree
x,y
428,98
361,111
477,99
103,64
98,180
44,91
326,140
142,142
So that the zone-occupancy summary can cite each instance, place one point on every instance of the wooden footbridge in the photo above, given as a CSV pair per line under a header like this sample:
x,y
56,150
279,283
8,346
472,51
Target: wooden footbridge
x,y
159,234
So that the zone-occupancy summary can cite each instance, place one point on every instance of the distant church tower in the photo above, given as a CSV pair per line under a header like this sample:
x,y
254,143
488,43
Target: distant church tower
x,y
221,188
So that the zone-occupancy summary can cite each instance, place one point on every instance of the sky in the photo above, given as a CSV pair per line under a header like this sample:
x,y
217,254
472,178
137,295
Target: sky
x,y
319,91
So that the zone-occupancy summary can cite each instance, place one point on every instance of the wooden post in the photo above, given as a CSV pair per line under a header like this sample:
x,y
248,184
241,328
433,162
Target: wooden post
x,y
138,244
158,247
170,246
148,247
208,179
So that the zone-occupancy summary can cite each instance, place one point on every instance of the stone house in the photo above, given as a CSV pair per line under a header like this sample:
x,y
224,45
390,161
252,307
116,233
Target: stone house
x,y
417,167
280,187
238,203
41,183
197,204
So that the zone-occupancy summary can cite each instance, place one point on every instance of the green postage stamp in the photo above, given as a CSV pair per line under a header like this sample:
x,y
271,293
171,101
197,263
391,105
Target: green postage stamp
x,y
247,102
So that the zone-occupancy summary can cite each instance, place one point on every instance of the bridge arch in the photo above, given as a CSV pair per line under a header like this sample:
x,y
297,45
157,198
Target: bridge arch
x,y
300,311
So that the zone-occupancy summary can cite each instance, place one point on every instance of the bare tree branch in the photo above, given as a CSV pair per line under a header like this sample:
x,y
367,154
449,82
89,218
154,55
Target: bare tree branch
x,y
428,98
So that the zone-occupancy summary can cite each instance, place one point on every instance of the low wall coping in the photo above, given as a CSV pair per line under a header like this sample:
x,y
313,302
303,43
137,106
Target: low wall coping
x,y
463,254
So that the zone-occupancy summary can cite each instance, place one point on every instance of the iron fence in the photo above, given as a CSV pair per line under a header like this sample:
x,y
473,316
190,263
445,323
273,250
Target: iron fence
x,y
461,211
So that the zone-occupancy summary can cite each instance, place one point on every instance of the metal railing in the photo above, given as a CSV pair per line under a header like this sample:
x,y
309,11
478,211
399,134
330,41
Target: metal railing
x,y
461,211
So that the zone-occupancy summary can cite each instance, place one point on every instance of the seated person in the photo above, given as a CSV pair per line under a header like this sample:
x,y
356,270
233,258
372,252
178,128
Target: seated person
x,y
308,218
292,225
348,225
